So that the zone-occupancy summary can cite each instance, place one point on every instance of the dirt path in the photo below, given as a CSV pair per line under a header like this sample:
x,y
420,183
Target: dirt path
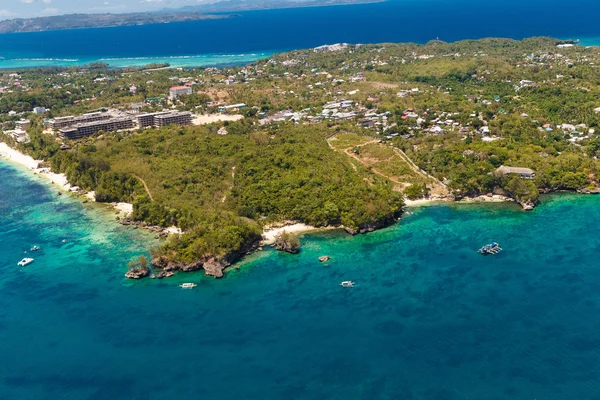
x,y
145,187
419,171
349,153
232,183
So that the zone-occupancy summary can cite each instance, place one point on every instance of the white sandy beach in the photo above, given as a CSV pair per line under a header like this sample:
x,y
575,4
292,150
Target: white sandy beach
x,y
60,180
420,202
173,230
18,157
479,199
27,161
271,233
125,208
487,199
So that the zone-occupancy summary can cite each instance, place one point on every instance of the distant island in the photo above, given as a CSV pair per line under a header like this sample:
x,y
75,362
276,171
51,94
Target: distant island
x,y
80,21
187,13
244,5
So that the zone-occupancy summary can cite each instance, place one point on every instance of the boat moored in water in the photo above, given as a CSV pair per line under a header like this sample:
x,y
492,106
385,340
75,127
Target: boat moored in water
x,y
187,285
24,262
347,284
34,248
492,248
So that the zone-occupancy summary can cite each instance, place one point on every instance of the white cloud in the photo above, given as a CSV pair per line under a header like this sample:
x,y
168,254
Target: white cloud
x,y
26,1
46,1
6,13
151,1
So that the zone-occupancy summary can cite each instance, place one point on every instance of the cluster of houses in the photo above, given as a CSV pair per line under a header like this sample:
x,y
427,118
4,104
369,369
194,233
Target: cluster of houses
x,y
573,133
13,82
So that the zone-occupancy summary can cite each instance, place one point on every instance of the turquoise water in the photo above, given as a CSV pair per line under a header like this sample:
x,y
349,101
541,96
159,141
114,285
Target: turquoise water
x,y
590,41
429,319
115,62
258,34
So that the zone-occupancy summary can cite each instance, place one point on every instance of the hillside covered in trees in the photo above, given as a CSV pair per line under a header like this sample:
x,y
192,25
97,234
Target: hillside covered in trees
x,y
330,136
221,190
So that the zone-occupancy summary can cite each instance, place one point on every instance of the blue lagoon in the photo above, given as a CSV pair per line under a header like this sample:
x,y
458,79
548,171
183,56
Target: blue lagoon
x,y
429,318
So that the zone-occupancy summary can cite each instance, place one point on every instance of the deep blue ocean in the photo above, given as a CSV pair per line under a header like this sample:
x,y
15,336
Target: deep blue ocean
x,y
258,34
429,319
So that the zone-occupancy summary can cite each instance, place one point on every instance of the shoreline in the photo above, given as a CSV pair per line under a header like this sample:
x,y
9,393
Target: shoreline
x,y
123,210
270,232
466,200
59,180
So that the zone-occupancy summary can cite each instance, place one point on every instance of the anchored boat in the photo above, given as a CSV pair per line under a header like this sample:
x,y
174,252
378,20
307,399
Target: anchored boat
x,y
347,284
187,285
492,248
24,262
34,248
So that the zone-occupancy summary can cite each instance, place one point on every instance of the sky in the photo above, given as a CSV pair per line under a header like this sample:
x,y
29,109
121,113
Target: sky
x,y
37,8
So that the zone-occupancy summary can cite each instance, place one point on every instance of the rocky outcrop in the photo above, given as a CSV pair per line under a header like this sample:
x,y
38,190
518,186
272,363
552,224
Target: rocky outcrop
x,y
373,226
213,266
195,266
287,246
527,205
595,190
137,273
165,274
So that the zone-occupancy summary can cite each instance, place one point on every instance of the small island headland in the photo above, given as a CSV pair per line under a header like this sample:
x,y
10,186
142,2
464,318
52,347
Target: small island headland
x,y
213,160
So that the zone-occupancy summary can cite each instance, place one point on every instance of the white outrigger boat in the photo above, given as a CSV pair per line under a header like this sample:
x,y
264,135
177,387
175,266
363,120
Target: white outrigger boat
x,y
347,284
187,285
24,262
492,248
34,248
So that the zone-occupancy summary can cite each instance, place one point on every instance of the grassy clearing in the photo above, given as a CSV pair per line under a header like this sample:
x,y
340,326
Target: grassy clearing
x,y
345,141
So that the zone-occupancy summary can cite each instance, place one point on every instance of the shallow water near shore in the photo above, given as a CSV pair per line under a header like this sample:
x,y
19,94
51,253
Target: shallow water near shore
x,y
429,317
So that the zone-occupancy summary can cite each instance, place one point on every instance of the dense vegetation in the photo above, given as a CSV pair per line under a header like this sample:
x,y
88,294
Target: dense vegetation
x,y
222,189
495,102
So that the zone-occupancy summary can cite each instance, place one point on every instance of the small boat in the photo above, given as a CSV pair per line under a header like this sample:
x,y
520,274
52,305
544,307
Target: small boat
x,y
187,285
347,284
492,248
24,262
34,248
